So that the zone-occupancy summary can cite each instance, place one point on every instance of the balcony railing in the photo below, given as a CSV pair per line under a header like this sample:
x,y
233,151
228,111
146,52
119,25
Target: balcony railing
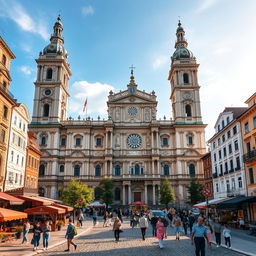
x,y
214,175
238,168
226,172
5,90
251,155
231,170
221,174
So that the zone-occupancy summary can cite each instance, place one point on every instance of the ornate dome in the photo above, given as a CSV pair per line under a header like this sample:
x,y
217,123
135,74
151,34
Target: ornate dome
x,y
182,53
55,47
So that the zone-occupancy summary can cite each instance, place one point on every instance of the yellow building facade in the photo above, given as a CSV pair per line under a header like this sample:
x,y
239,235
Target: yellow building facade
x,y
7,102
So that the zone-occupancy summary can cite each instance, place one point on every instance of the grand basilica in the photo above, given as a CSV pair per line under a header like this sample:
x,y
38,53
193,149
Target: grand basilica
x,y
132,147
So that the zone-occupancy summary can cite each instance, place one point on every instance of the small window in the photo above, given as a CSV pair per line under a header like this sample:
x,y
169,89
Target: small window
x,y
222,124
229,148
226,167
185,78
77,170
41,170
192,170
46,110
4,84
117,170
214,145
251,176
2,138
248,147
214,156
166,170
224,151
18,157
5,112
229,134
236,145
217,187
246,127
4,60
165,141
219,154
223,138
218,128
218,141
234,130
228,120
78,141
98,141
188,110
254,122
49,73
43,141
117,194
62,168
231,165
240,183
221,169
97,170
238,166
22,161
137,169
190,140
63,141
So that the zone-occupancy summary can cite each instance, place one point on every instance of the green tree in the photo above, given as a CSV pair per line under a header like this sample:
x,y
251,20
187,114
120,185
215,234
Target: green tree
x,y
76,194
166,193
105,191
195,193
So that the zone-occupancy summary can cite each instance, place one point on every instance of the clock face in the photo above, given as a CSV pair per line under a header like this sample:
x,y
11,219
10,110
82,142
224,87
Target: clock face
x,y
187,95
132,111
47,92
134,141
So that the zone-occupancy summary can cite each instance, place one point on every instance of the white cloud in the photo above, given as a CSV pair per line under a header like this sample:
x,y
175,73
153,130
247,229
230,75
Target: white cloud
x,y
160,61
14,11
205,4
87,10
96,93
26,70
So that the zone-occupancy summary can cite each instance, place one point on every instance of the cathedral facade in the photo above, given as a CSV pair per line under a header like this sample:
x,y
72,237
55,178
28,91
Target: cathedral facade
x,y
132,147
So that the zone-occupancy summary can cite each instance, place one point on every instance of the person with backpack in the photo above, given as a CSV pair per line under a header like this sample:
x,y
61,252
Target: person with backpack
x,y
70,233
143,223
177,226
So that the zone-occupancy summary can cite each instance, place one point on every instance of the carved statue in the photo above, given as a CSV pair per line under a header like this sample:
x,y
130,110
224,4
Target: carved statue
x,y
117,113
147,114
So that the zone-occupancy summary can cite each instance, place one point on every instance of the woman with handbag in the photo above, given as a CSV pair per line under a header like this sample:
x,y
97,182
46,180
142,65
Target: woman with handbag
x,y
37,234
116,227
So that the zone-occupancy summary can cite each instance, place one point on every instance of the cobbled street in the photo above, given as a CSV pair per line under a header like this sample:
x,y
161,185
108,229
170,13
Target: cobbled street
x,y
100,241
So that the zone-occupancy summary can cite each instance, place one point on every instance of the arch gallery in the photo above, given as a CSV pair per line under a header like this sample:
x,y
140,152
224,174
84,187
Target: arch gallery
x,y
132,146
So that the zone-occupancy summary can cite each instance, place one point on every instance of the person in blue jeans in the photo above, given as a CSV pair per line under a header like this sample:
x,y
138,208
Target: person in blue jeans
x,y
26,227
46,234
37,234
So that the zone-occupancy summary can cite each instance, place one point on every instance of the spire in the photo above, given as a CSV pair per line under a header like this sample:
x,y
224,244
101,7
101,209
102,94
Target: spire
x,y
57,31
181,41
132,83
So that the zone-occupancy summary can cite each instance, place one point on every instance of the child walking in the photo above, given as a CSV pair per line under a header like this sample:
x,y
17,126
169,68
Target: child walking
x,y
227,236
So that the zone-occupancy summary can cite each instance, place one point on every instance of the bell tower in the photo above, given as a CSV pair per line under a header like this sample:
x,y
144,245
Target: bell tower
x,y
51,85
184,83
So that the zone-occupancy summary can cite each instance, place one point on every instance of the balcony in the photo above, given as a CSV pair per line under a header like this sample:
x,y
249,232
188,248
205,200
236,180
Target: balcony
x,y
250,156
226,172
221,174
214,175
231,170
6,91
235,192
238,168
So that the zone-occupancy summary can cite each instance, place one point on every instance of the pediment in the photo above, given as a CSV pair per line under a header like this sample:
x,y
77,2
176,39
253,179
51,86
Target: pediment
x,y
191,152
77,153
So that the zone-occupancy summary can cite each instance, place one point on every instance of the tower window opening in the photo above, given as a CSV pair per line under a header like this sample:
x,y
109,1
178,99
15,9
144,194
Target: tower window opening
x,y
185,78
4,60
49,73
188,110
46,110
192,170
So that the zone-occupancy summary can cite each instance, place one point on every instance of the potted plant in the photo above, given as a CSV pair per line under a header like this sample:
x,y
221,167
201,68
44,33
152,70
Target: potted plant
x,y
60,223
19,230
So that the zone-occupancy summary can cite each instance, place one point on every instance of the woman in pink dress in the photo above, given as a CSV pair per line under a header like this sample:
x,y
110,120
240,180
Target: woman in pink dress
x,y
160,232
209,233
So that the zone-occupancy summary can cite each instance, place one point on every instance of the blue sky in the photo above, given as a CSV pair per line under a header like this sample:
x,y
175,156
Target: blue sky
x,y
104,37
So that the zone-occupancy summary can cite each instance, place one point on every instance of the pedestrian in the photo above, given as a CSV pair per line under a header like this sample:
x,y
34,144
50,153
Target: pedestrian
x,y
143,223
105,218
217,232
166,224
26,227
116,228
185,224
198,236
154,221
36,236
120,214
227,236
46,234
70,233
94,217
191,221
209,233
80,217
177,226
160,232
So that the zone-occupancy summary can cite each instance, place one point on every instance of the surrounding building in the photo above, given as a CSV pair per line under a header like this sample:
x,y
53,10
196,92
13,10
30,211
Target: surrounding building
x,y
207,165
227,153
32,164
7,102
17,150
132,146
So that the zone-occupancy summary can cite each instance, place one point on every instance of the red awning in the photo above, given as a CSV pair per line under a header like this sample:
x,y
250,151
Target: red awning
x,y
36,200
45,210
7,214
67,208
12,200
138,203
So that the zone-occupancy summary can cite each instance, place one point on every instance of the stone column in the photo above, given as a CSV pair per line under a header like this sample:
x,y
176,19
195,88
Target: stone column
x,y
153,167
154,194
123,194
129,194
157,139
158,167
146,193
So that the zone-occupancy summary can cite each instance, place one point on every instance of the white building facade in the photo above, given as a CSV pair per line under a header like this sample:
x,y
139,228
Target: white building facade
x,y
228,169
17,150
132,147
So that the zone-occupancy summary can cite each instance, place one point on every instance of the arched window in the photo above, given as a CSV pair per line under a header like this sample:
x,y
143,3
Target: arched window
x,y
62,168
46,110
185,78
49,73
192,170
43,141
77,170
41,191
97,170
188,110
4,60
41,170
117,194
166,170
117,170
137,169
